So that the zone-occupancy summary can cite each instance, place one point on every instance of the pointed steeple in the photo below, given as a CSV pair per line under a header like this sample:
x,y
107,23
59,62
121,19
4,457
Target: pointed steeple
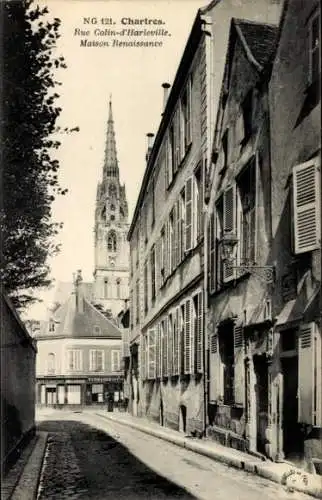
x,y
110,160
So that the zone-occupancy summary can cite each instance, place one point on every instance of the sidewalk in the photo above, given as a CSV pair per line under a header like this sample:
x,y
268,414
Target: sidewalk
x,y
292,478
21,481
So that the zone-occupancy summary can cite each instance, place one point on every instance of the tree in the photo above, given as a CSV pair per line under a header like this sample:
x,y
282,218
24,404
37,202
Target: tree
x,y
29,138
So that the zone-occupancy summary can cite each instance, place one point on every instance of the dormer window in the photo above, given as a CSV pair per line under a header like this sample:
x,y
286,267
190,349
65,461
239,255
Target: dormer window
x,y
97,330
51,326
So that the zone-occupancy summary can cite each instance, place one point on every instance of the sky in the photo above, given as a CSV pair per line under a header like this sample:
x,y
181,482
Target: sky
x,y
132,76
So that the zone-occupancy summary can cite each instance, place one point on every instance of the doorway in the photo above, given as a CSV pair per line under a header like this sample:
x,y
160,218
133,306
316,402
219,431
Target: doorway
x,y
183,418
293,442
51,396
261,394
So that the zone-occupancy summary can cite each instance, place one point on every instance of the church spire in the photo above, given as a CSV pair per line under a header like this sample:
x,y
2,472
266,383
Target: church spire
x,y
110,160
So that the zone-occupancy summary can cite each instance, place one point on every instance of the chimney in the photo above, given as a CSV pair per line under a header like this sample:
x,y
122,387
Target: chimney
x,y
79,293
166,87
150,139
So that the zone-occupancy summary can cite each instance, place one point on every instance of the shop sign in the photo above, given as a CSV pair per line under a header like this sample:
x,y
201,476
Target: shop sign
x,y
74,381
101,380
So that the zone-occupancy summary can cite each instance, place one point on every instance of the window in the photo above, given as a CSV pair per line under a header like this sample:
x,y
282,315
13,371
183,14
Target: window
x,y
112,191
246,187
169,156
74,359
224,143
152,265
171,240
51,326
164,341
198,203
51,363
146,288
188,338
186,112
96,360
198,331
137,293
97,393
151,353
111,241
314,47
118,288
226,349
163,256
97,330
115,361
188,215
247,109
306,206
182,219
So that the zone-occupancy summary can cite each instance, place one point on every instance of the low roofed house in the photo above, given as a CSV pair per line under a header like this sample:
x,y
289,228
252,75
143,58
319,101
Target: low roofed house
x,y
79,354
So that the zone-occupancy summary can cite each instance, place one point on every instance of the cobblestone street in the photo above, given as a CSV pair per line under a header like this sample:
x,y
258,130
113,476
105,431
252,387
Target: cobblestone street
x,y
89,457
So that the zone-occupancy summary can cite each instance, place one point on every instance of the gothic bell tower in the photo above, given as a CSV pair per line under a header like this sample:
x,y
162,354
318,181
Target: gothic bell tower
x,y
111,274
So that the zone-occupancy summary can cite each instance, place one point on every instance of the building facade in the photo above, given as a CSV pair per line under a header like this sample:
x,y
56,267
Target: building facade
x,y
79,355
239,302
18,363
166,247
111,273
295,130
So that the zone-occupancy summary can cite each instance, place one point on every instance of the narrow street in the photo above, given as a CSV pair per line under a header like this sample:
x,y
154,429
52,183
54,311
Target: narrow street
x,y
91,457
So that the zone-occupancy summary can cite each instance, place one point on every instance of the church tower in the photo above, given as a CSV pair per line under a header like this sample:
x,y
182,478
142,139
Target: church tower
x,y
111,274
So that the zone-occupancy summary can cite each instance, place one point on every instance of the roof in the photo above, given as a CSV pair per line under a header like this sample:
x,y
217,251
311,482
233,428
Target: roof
x,y
260,38
65,288
70,323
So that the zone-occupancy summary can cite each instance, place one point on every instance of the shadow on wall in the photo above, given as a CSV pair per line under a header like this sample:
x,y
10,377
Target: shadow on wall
x,y
11,432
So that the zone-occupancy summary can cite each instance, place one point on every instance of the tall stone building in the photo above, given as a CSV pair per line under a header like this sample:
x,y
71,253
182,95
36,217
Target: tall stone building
x,y
111,273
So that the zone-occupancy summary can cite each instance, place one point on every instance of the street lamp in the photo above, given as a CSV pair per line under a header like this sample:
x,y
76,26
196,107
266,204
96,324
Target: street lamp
x,y
229,242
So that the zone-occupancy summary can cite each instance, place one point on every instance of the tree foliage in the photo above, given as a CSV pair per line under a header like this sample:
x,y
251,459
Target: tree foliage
x,y
29,139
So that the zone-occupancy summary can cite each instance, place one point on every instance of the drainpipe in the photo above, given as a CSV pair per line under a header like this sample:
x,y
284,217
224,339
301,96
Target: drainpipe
x,y
207,29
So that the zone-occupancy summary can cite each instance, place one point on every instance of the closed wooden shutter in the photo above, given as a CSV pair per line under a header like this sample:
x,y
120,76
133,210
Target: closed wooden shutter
x,y
215,390
170,345
212,252
177,342
230,210
229,221
307,374
187,334
158,351
239,371
175,237
142,357
199,334
182,337
166,155
188,214
166,250
151,353
178,232
306,200
165,365
188,138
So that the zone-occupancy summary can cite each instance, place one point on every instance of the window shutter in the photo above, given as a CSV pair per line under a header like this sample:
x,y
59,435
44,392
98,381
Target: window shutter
x,y
239,372
142,356
166,250
306,200
182,337
165,371
199,334
187,346
212,253
230,210
175,237
215,386
188,212
170,345
177,342
178,232
151,353
189,106
306,375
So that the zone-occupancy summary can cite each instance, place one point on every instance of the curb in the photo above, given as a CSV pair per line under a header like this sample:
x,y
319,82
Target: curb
x,y
27,486
291,478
